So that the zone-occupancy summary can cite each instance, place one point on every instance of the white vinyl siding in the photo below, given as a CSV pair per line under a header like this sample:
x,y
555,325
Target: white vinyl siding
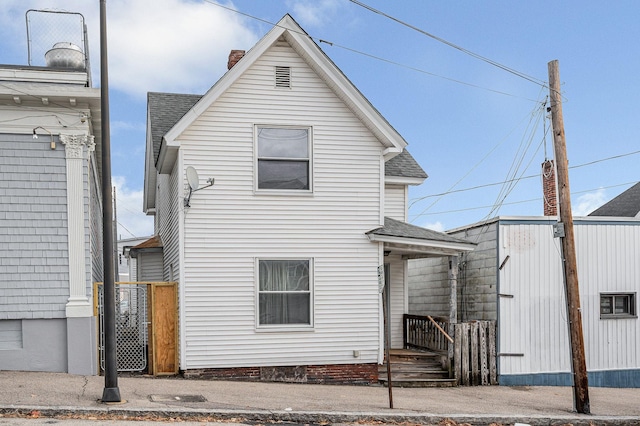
x,y
228,226
534,321
395,202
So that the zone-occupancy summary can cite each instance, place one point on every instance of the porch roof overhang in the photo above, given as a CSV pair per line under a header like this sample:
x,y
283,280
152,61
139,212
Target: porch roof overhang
x,y
152,245
414,242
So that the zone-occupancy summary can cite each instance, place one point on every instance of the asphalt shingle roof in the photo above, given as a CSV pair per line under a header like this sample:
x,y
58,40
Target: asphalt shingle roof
x,y
626,204
404,165
165,110
396,228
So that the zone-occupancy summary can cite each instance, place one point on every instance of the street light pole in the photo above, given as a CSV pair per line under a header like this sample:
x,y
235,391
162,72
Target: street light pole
x,y
111,392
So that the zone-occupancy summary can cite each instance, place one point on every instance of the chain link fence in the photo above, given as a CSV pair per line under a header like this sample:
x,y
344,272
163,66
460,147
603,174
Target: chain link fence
x,y
131,327
46,28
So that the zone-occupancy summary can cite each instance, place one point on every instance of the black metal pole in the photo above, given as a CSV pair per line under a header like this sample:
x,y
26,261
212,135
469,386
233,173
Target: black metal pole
x,y
111,392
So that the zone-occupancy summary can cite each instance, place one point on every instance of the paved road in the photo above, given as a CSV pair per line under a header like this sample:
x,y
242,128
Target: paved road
x,y
56,393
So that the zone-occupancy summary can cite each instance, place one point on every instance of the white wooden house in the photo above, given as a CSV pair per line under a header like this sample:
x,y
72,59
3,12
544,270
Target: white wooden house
x,y
278,261
515,277
50,215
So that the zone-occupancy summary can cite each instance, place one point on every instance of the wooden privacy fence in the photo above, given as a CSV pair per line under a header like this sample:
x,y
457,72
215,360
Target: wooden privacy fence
x,y
474,353
151,341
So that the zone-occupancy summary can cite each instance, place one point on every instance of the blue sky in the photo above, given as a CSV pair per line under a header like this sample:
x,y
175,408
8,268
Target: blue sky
x,y
468,123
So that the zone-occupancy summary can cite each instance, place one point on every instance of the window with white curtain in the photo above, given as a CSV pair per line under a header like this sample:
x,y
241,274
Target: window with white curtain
x,y
284,292
284,158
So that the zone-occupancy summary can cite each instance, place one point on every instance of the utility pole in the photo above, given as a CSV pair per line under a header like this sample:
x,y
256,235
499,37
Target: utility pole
x,y
111,392
578,361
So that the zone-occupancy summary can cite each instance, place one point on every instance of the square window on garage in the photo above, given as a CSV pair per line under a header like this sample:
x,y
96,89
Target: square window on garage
x,y
617,305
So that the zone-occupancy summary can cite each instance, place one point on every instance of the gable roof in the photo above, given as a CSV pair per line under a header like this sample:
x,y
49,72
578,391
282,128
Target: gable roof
x,y
289,30
414,241
626,204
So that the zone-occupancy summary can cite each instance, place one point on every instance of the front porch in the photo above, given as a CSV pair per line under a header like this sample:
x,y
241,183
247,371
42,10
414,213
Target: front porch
x,y
437,353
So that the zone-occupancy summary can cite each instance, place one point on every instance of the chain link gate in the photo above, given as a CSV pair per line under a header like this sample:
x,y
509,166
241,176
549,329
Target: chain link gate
x,y
131,326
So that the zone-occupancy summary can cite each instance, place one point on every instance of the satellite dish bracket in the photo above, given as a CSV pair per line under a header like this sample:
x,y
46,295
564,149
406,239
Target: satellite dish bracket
x,y
194,181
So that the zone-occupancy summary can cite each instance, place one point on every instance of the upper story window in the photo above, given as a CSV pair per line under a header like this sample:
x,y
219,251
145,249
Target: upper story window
x,y
284,158
617,305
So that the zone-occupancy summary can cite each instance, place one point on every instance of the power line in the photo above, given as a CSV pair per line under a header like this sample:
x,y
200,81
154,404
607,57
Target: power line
x,y
448,43
521,201
369,55
521,178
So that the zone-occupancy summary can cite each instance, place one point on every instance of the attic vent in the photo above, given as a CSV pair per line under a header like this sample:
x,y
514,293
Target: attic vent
x,y
283,76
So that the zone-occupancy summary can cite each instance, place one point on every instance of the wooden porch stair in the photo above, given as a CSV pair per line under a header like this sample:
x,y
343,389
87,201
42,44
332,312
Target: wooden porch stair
x,y
411,368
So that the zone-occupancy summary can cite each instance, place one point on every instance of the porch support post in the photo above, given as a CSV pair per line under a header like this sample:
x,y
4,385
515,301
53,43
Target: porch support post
x,y
453,301
453,289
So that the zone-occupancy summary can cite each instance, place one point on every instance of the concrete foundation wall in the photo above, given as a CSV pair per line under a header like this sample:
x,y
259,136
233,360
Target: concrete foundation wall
x,y
53,345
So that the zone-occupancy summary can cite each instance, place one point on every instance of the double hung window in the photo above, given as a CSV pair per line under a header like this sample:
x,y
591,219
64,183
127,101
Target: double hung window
x,y
284,292
284,158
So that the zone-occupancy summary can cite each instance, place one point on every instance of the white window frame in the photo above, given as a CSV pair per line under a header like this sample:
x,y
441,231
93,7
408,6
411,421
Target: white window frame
x,y
633,313
284,327
309,160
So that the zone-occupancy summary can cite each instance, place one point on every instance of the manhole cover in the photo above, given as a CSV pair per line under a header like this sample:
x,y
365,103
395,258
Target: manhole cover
x,y
177,398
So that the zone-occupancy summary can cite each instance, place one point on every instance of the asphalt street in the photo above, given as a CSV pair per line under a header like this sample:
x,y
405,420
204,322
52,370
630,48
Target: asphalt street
x,y
57,394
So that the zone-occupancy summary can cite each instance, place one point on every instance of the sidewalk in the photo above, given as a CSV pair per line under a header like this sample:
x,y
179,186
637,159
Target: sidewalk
x,y
58,394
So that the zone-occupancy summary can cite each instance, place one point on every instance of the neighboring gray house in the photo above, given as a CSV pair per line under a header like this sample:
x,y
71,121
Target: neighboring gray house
x,y
626,204
279,262
515,277
127,265
50,217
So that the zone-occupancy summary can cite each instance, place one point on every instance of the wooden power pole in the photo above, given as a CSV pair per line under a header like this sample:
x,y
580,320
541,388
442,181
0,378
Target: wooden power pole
x,y
579,365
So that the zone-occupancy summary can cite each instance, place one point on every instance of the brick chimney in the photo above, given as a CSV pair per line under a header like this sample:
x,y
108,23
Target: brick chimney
x,y
234,57
549,186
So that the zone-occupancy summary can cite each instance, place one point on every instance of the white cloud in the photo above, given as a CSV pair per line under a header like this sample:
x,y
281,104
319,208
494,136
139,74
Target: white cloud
x,y
434,226
313,13
587,203
171,45
153,45
132,222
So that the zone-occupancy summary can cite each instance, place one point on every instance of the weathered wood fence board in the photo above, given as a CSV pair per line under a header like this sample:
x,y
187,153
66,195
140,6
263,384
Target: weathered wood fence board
x,y
474,353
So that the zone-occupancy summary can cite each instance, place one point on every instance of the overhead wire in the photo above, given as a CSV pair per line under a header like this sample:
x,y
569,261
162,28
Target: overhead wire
x,y
503,140
486,185
369,55
455,46
518,160
527,201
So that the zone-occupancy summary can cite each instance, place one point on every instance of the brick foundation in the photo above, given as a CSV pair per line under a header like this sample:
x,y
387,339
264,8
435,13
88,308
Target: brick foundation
x,y
343,374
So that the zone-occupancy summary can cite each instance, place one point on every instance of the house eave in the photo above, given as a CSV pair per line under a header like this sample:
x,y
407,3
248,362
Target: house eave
x,y
401,180
417,247
167,156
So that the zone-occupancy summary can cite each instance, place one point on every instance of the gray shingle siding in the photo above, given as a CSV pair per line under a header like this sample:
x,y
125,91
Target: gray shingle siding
x,y
33,229
94,242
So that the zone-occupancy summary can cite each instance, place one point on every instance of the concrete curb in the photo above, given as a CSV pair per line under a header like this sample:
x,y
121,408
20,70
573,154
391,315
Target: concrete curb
x,y
309,417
